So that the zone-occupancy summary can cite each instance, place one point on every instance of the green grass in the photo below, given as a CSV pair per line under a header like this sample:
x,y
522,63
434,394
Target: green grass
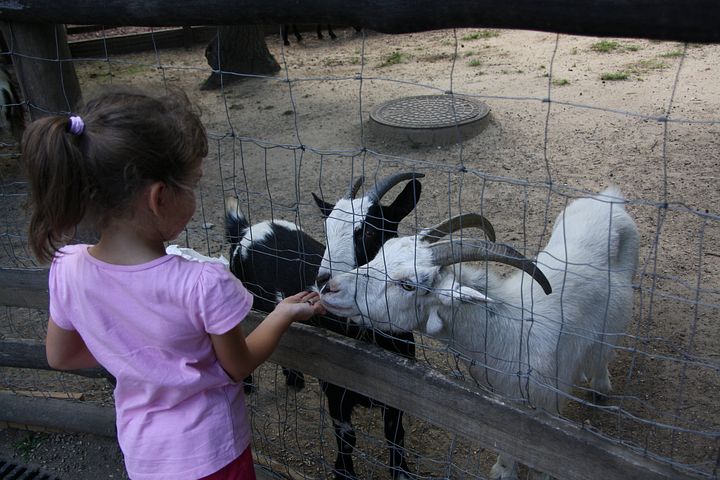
x,y
609,46
480,34
393,59
474,63
559,82
614,76
605,46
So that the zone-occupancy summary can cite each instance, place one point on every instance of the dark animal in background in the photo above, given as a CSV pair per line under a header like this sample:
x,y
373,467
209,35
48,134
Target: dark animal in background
x,y
286,28
275,259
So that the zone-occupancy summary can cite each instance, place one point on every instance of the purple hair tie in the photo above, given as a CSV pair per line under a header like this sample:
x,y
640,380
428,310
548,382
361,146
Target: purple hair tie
x,y
77,126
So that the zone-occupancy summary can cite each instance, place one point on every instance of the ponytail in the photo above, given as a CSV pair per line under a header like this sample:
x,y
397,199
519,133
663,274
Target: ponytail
x,y
91,167
57,173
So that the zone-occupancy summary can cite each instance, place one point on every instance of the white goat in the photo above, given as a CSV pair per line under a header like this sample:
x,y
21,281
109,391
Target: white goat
x,y
519,341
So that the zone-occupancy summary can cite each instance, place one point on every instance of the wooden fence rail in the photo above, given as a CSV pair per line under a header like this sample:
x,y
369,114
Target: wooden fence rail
x,y
541,441
688,20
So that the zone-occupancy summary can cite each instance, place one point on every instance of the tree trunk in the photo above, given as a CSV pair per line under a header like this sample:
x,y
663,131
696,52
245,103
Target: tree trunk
x,y
238,49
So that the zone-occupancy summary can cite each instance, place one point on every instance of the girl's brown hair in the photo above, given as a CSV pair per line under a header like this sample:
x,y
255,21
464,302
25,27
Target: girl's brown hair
x,y
130,140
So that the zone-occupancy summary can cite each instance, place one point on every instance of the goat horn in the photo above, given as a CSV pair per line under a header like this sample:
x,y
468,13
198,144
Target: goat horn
x,y
449,252
466,220
355,187
383,186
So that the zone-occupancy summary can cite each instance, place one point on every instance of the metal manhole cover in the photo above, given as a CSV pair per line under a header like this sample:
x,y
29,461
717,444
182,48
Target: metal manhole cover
x,y
430,119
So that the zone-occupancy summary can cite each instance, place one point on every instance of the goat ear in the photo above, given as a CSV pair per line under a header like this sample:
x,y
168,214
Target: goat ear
x,y
434,323
325,207
404,203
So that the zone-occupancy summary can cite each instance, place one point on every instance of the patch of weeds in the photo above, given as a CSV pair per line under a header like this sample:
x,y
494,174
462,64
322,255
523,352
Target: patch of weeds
x,y
645,66
332,62
27,446
605,46
392,59
608,46
559,82
355,60
132,70
614,76
474,63
672,54
480,34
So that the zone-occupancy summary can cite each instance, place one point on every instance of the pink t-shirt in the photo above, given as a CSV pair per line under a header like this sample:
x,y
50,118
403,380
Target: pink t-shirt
x,y
179,415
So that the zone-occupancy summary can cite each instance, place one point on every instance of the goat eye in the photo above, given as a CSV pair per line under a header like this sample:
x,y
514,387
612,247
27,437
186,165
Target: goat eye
x,y
407,287
370,233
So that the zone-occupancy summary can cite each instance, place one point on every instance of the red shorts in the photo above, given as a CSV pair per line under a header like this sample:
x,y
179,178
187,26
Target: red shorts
x,y
242,468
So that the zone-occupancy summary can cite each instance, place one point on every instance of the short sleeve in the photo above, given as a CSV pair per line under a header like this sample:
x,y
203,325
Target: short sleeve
x,y
222,300
59,298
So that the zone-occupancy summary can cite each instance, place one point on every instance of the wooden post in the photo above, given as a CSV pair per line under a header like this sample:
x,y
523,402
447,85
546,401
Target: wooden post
x,y
46,75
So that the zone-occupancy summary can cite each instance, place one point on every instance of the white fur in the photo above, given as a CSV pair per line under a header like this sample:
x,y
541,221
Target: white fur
x,y
340,226
257,234
520,342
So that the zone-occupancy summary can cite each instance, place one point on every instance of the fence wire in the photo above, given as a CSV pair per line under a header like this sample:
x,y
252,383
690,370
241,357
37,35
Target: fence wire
x,y
570,116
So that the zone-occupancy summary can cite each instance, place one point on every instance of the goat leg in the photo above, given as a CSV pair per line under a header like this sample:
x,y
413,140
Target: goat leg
x,y
395,437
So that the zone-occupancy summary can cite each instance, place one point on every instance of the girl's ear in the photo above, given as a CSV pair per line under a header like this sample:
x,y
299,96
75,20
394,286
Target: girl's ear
x,y
157,199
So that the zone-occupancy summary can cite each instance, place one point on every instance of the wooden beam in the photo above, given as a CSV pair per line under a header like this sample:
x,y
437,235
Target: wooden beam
x,y
22,353
25,288
539,440
689,20
41,57
57,414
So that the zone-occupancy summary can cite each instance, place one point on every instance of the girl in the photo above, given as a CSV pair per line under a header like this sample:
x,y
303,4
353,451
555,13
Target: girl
x,y
168,329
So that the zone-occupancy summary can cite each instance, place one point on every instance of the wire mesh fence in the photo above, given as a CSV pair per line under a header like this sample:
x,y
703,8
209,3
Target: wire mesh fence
x,y
569,117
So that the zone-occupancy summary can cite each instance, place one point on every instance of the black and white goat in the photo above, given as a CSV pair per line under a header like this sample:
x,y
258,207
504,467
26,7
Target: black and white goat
x,y
520,339
275,259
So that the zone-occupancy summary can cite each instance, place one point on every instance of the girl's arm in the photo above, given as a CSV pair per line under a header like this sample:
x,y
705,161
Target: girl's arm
x,y
239,356
66,350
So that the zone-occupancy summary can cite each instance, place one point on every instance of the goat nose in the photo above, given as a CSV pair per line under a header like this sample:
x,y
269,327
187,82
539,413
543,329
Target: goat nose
x,y
322,279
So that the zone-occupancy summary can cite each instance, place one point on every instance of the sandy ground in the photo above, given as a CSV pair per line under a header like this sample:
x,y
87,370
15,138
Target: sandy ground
x,y
273,142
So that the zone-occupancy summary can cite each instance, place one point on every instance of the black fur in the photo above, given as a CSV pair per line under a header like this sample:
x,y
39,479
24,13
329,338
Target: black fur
x,y
288,261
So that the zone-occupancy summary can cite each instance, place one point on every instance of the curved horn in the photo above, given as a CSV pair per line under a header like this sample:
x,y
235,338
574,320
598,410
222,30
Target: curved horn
x,y
383,186
466,220
455,251
355,187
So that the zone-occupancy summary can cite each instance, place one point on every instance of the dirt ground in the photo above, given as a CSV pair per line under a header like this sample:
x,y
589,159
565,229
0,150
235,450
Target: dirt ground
x,y
273,142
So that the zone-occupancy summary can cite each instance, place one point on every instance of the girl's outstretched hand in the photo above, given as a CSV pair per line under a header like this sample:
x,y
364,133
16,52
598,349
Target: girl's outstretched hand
x,y
301,306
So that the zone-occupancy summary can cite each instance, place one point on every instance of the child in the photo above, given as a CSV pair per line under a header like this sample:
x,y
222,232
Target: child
x,y
167,328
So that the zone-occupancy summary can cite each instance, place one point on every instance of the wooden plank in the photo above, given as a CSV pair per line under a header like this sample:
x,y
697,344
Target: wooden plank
x,y
539,440
140,42
689,20
24,287
23,353
57,414
48,83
